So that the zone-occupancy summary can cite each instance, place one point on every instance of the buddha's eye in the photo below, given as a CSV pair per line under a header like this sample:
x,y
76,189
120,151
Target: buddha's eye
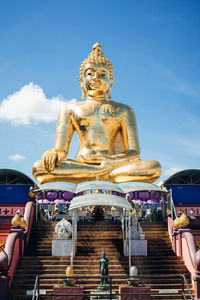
x,y
89,72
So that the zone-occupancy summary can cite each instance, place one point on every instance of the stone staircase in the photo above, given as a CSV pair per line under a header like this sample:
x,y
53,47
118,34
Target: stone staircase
x,y
161,260
92,239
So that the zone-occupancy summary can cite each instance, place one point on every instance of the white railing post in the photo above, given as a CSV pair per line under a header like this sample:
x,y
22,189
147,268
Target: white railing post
x,y
129,240
122,220
76,221
36,209
73,236
125,235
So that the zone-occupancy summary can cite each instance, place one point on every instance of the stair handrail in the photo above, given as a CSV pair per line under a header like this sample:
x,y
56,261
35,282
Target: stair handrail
x,y
184,245
172,206
36,290
110,279
29,214
191,258
14,248
9,257
187,286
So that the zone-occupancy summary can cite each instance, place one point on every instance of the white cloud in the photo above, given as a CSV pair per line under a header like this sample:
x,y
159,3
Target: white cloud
x,y
171,171
30,105
16,157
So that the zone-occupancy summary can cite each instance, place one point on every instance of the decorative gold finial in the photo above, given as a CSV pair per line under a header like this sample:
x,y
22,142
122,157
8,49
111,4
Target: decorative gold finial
x,y
96,46
69,271
17,221
181,221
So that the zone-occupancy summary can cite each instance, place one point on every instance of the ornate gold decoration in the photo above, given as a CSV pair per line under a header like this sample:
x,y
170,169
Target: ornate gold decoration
x,y
69,271
32,194
107,131
176,223
168,212
107,109
181,221
17,221
23,223
134,211
184,221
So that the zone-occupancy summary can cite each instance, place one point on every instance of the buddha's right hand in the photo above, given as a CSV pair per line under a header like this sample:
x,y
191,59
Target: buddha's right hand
x,y
52,159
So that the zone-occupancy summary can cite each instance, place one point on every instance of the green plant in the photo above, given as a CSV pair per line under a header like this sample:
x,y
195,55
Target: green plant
x,y
66,283
135,283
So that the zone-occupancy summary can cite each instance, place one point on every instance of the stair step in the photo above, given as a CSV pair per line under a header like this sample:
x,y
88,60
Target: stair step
x,y
91,239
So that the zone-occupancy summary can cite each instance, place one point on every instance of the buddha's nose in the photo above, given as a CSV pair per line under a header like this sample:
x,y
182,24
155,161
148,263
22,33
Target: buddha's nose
x,y
96,75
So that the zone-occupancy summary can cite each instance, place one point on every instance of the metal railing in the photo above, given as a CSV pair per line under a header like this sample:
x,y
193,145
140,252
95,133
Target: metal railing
x,y
109,292
36,291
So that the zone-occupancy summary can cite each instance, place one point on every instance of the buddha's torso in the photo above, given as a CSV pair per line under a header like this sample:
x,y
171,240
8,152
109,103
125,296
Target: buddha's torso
x,y
97,125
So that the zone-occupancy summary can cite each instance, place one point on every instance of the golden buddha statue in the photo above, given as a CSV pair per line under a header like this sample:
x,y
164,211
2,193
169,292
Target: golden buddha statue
x,y
107,131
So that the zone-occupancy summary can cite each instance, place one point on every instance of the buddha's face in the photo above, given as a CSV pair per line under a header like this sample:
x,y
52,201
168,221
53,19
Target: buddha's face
x,y
96,80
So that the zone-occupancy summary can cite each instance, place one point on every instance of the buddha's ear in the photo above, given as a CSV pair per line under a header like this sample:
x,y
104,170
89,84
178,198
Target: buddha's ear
x,y
108,91
108,94
82,89
83,93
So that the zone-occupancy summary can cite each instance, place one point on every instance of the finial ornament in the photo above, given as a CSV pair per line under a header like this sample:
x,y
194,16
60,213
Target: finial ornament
x,y
96,57
96,46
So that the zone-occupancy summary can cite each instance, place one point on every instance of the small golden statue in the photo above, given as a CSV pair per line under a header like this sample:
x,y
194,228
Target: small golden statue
x,y
17,221
107,131
181,221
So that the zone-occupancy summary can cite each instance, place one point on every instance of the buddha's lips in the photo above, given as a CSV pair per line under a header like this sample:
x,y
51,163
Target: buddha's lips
x,y
94,85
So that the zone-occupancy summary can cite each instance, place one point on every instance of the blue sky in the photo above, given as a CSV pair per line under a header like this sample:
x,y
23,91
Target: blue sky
x,y
154,47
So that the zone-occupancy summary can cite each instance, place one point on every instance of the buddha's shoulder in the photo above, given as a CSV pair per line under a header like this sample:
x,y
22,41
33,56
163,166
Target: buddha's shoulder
x,y
73,105
120,106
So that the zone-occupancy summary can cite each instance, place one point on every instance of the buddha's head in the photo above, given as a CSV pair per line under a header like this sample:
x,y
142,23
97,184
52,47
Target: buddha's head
x,y
103,253
96,75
